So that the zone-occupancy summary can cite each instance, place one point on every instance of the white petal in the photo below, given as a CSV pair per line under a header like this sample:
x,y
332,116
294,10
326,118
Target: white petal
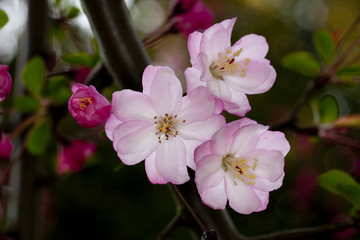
x,y
202,130
190,146
166,92
193,81
253,46
151,170
238,104
264,184
215,197
132,105
171,161
125,129
110,126
149,77
264,198
270,140
201,151
194,46
270,164
242,198
220,89
135,147
209,172
245,139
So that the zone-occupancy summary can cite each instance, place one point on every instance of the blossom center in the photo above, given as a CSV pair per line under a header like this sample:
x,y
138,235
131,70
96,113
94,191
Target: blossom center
x,y
166,126
240,169
84,102
226,65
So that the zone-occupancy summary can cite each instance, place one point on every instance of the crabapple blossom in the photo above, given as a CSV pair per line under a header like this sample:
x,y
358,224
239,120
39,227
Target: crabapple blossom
x,y
161,126
5,82
241,163
6,146
72,157
229,72
88,106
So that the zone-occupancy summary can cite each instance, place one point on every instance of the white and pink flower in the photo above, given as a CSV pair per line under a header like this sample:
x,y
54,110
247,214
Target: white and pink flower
x,y
241,163
229,72
161,126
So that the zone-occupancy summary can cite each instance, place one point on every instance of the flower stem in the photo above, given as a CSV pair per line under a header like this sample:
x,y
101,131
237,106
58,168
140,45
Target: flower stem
x,y
23,126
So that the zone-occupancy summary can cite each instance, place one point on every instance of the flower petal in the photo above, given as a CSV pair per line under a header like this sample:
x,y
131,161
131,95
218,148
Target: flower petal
x,y
190,147
245,140
259,78
194,41
166,92
149,77
270,164
198,105
132,105
202,130
209,172
253,46
270,140
238,105
135,147
125,129
201,151
151,170
215,197
193,81
242,198
110,126
171,161
221,141
220,89
264,184
264,198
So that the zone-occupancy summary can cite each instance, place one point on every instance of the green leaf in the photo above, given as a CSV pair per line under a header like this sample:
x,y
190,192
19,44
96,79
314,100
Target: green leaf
x,y
38,138
73,12
58,90
33,76
348,72
80,59
3,18
324,45
341,183
328,108
302,62
26,104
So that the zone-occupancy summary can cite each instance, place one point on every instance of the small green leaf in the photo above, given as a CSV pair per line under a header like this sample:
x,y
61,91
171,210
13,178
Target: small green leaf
x,y
329,109
26,104
73,13
348,72
324,45
80,59
302,62
58,90
3,18
333,178
33,75
38,138
351,192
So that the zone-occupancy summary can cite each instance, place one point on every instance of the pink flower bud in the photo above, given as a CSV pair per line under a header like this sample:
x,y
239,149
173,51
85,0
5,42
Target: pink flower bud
x,y
72,157
5,82
181,6
198,17
6,147
81,74
88,106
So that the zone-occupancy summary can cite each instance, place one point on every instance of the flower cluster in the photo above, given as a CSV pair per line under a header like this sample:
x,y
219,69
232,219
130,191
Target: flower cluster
x,y
5,82
238,162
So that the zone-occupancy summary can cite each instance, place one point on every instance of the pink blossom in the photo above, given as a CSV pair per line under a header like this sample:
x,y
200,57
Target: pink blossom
x,y
72,157
197,17
181,6
5,82
81,74
241,163
88,106
6,147
161,126
229,72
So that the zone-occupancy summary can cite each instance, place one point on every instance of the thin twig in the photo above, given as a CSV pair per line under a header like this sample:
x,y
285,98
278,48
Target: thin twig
x,y
171,227
197,219
347,34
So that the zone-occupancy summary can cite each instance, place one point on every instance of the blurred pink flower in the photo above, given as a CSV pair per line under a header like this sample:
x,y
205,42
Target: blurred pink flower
x,y
6,147
72,157
241,163
5,82
81,74
88,106
161,126
197,17
229,72
181,6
